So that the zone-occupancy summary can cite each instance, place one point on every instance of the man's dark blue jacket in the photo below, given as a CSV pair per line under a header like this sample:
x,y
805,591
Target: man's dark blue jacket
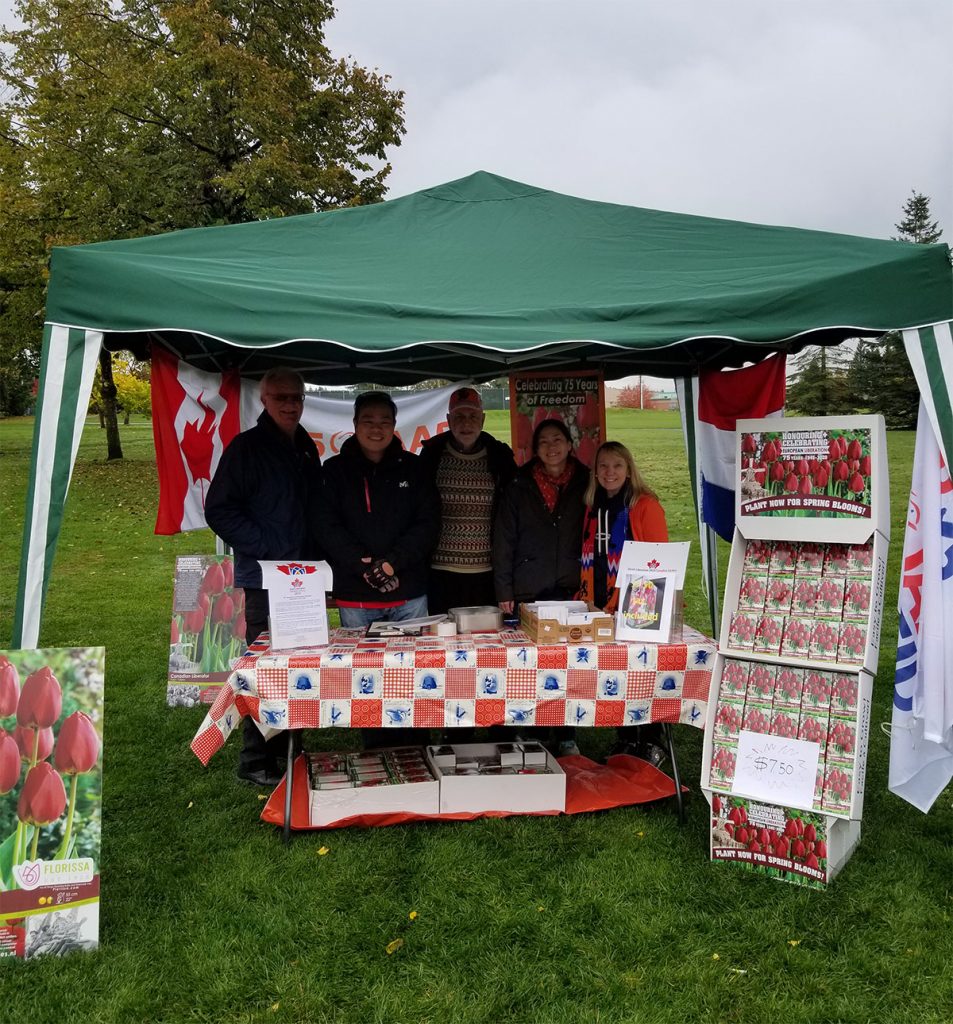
x,y
263,498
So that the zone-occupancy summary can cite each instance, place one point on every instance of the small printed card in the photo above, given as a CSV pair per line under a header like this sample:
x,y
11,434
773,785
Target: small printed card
x,y
788,686
780,592
810,559
767,639
836,559
758,555
742,630
734,678
783,557
797,637
752,592
824,639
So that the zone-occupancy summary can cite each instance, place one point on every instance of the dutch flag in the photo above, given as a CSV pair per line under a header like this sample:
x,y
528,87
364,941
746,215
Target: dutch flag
x,y
725,396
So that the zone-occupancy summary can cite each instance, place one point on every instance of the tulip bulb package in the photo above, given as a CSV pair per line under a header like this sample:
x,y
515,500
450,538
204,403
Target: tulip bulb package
x,y
207,633
51,711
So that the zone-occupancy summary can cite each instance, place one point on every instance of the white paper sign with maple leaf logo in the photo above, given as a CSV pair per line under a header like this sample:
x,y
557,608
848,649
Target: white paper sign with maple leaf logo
x,y
646,556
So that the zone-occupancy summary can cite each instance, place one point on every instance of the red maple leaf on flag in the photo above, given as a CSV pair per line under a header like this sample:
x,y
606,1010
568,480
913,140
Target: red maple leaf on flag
x,y
197,445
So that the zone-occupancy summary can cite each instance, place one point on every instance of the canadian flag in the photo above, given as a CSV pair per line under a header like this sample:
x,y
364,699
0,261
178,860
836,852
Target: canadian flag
x,y
194,416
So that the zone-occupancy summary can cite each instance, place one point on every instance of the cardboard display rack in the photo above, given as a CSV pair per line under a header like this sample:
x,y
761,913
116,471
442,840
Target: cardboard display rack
x,y
548,631
799,645
828,707
774,610
479,791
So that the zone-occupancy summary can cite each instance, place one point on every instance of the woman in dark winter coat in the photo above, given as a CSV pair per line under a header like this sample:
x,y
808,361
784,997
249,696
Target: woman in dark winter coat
x,y
537,536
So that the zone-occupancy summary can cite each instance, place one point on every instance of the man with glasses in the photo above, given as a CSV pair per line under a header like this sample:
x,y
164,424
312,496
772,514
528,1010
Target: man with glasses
x,y
262,502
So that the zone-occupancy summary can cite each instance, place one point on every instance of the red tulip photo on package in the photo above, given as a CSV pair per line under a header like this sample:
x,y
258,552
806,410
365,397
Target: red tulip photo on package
x,y
51,704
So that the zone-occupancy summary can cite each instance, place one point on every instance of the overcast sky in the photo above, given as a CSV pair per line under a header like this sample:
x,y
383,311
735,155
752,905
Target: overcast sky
x,y
814,113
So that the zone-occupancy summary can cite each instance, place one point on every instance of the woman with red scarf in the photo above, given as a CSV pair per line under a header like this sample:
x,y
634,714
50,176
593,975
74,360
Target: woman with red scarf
x,y
538,528
619,507
537,534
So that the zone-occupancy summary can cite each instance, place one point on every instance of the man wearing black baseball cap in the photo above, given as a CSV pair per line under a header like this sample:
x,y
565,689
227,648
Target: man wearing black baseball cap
x,y
470,468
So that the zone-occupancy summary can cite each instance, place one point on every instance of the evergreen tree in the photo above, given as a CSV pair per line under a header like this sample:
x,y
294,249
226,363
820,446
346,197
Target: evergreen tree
x,y
882,372
916,225
819,386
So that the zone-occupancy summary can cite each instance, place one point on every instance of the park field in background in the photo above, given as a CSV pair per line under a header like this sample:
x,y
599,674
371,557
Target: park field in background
x,y
613,917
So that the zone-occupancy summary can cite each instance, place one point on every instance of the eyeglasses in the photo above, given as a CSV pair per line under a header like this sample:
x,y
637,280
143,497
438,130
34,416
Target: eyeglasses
x,y
287,399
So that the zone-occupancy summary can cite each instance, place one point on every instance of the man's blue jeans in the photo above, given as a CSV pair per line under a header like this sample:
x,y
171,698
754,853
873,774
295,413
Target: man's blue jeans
x,y
359,618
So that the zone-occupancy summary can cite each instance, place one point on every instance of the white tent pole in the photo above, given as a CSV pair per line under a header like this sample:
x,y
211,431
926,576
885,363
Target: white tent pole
x,y
66,382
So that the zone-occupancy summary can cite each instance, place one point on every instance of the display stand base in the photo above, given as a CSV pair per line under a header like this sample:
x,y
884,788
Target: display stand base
x,y
624,781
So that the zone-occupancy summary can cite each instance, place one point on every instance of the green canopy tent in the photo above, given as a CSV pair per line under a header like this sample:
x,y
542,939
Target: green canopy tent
x,y
475,278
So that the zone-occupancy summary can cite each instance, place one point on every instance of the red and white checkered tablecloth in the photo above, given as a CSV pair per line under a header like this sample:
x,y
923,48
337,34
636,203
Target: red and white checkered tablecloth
x,y
478,680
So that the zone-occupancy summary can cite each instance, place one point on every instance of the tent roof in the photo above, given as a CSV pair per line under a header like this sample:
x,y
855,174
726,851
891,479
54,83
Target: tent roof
x,y
483,275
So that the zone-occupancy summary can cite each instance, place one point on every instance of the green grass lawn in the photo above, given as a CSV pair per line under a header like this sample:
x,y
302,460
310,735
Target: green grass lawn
x,y
207,917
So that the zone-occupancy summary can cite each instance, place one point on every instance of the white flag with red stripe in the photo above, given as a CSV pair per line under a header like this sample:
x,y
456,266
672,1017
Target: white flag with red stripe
x,y
194,416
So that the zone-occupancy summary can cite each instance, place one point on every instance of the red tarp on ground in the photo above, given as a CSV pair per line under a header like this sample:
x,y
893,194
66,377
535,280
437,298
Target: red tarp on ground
x,y
590,786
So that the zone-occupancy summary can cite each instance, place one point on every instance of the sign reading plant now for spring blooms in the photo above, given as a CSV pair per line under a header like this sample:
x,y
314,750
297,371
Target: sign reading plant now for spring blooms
x,y
208,629
51,704
818,473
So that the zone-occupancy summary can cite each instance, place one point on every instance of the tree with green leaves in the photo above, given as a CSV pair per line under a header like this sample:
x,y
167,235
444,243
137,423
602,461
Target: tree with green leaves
x,y
129,117
880,375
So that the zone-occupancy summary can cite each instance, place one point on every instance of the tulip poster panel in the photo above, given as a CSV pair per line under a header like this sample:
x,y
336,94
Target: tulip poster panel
x,y
787,843
208,629
804,470
51,720
575,398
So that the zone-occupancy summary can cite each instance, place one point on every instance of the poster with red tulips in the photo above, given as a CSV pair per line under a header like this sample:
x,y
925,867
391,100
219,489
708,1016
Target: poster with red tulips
x,y
782,842
578,399
824,474
208,629
51,712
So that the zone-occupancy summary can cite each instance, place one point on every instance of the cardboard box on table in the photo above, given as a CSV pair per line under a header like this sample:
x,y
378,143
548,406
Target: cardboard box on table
x,y
824,515
601,630
520,794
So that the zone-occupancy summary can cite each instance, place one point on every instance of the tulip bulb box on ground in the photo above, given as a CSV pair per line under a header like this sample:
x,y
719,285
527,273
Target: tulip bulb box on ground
x,y
371,782
51,704
522,778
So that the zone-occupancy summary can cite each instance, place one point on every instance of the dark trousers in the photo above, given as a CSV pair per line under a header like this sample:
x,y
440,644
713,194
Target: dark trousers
x,y
459,590
257,753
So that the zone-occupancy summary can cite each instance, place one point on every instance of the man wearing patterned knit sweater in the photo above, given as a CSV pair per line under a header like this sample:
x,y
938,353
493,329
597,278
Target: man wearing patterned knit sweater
x,y
470,468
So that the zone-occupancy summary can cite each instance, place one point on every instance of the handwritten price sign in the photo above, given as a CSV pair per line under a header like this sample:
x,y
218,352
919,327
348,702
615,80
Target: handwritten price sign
x,y
776,770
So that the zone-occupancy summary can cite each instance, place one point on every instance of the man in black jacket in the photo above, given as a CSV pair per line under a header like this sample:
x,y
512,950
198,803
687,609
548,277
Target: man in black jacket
x,y
262,503
470,469
378,520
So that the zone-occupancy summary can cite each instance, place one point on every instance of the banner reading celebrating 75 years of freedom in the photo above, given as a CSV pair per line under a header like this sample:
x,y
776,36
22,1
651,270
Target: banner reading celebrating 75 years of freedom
x,y
51,707
575,398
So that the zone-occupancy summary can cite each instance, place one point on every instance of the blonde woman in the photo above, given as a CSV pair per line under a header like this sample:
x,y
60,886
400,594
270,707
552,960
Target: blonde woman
x,y
620,506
